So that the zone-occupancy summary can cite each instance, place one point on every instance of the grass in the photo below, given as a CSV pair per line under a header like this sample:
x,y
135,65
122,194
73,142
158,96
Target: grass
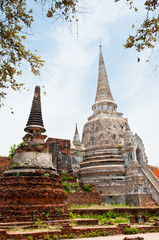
x,y
44,227
104,218
100,206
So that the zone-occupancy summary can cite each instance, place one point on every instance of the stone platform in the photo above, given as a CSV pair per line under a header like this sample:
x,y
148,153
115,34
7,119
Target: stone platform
x,y
28,198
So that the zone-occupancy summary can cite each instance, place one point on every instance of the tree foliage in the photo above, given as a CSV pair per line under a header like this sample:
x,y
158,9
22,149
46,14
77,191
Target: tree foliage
x,y
15,21
147,35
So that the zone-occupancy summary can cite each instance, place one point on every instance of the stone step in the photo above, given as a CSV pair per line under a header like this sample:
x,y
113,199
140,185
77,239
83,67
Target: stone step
x,y
102,162
103,152
101,156
32,224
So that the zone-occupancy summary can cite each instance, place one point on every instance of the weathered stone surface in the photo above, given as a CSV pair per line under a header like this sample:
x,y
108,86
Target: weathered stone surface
x,y
38,160
104,131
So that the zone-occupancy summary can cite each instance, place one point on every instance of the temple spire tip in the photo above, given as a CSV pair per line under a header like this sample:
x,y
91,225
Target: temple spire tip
x,y
76,135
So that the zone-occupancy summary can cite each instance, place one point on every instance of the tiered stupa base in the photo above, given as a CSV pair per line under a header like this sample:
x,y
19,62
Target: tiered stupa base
x,y
30,198
103,167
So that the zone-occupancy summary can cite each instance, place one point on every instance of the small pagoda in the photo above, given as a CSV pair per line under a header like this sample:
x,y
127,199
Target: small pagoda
x,y
31,189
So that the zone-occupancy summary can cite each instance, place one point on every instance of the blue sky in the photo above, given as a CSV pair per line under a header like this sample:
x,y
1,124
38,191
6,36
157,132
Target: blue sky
x,y
70,77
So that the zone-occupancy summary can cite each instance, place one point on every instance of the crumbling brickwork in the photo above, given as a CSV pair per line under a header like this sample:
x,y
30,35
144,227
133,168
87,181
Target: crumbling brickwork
x,y
60,150
83,197
5,163
27,198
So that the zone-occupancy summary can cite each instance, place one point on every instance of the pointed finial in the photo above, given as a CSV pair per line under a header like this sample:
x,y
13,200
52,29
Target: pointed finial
x,y
76,135
103,88
100,43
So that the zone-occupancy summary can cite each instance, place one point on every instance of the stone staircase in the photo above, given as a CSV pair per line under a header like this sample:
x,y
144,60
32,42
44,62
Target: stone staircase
x,y
152,183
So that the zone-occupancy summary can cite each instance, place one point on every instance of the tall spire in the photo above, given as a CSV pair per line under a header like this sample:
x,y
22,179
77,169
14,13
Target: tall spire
x,y
104,103
103,89
76,138
35,126
35,118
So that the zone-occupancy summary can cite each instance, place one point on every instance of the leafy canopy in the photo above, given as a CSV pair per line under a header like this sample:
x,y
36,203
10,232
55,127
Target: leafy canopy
x,y
147,35
15,21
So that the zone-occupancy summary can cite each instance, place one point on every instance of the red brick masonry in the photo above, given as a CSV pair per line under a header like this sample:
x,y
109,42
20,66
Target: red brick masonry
x,y
5,163
27,198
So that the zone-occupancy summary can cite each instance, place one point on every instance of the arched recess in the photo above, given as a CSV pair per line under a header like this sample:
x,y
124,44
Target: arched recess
x,y
139,155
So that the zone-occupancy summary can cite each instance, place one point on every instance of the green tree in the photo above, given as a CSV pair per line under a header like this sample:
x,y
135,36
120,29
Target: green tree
x,y
146,35
15,21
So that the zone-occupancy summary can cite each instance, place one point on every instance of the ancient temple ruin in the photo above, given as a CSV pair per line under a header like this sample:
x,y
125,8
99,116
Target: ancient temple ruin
x,y
114,160
109,156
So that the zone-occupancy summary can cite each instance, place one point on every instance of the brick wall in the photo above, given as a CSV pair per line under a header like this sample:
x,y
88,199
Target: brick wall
x,y
83,197
5,163
27,198
55,145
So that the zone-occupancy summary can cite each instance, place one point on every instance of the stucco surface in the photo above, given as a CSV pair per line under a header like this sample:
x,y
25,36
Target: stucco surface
x,y
103,131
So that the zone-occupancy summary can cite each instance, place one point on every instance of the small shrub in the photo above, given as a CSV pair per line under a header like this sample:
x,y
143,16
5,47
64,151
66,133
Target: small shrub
x,y
71,236
71,215
112,203
47,237
119,147
46,174
13,148
90,203
21,144
67,178
131,230
121,220
30,237
47,216
74,185
105,233
13,165
55,237
38,222
58,211
64,236
66,174
99,202
18,174
66,187
87,188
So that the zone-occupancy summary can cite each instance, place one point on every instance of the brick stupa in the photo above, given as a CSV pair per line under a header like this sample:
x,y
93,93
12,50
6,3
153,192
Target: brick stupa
x,y
31,188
